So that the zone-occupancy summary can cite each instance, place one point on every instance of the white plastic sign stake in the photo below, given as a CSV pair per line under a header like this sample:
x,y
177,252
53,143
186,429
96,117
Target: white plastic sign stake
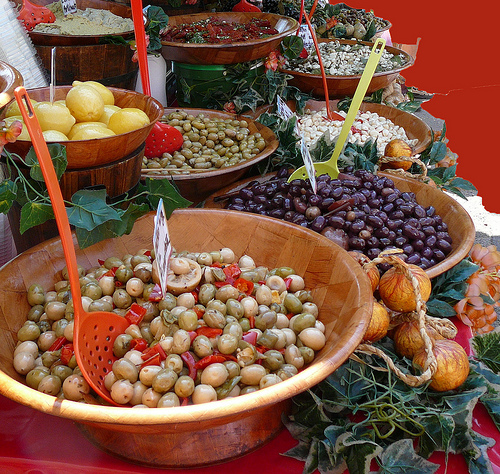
x,y
68,6
308,163
285,112
162,245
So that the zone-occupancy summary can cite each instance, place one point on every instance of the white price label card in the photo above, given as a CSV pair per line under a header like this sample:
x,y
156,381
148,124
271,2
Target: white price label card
x,y
162,245
308,163
285,112
68,6
305,34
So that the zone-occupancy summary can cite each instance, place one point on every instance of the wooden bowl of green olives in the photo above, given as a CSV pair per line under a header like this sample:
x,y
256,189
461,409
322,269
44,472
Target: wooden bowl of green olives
x,y
178,436
219,149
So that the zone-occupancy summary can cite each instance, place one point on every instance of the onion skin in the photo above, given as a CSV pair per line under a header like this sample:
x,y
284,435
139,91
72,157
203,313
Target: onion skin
x,y
407,338
395,149
379,323
452,365
397,292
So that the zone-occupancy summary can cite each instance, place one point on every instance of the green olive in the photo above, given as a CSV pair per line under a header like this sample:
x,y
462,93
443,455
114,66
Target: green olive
x,y
302,321
174,362
121,298
307,354
234,308
50,384
28,332
218,305
265,320
188,320
34,376
92,290
202,346
112,262
268,339
304,296
274,360
61,371
124,274
36,295
35,312
44,325
121,345
283,272
292,304
184,386
55,310
59,326
226,292
227,343
206,293
124,369
136,259
168,302
245,324
164,380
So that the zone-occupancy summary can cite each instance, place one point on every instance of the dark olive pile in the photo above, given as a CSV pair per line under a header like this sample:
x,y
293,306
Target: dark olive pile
x,y
359,211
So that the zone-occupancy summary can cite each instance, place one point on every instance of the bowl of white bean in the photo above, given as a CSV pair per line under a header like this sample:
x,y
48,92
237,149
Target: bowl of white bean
x,y
344,62
373,121
177,436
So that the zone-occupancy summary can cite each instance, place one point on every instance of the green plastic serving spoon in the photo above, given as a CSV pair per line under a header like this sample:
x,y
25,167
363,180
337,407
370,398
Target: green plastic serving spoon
x,y
330,166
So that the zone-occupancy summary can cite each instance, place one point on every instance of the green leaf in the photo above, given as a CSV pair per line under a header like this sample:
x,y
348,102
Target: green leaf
x,y
250,99
440,309
163,189
58,155
359,453
463,184
33,214
8,191
487,350
400,457
90,209
292,46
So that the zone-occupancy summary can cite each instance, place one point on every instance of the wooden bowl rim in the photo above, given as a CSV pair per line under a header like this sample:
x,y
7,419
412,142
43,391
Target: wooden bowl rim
x,y
457,255
270,148
418,148
313,374
293,25
390,49
159,107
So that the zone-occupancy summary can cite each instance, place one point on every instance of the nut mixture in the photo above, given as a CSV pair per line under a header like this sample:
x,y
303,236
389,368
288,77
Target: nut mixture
x,y
209,144
344,60
367,126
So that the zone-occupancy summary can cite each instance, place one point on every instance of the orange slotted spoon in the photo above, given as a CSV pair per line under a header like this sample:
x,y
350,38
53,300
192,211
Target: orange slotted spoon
x,y
94,333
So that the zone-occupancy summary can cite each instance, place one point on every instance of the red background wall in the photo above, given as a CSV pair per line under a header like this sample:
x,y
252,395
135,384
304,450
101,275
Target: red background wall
x,y
457,61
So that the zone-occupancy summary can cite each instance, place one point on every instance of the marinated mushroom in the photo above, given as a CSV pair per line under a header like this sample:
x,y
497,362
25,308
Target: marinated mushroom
x,y
183,275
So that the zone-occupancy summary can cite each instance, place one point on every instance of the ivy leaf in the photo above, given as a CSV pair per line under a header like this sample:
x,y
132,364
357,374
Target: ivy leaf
x,y
487,350
163,189
400,457
251,99
463,184
8,191
34,213
58,155
90,209
477,457
292,46
359,453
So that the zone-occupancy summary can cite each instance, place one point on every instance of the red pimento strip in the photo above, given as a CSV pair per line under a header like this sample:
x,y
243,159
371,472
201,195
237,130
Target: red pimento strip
x,y
111,272
251,320
154,360
184,401
232,271
190,361
211,359
288,282
199,311
58,343
209,332
101,262
140,344
192,335
151,351
250,337
244,286
135,314
67,352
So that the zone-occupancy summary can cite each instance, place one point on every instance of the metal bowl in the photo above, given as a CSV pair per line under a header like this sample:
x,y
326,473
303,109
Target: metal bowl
x,y
10,78
210,433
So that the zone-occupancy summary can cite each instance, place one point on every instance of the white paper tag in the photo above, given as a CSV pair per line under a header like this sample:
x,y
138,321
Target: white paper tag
x,y
68,6
162,245
308,163
285,112
305,34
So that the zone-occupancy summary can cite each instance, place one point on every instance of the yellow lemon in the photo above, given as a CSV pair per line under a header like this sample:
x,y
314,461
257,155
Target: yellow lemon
x,y
127,119
54,136
106,94
85,103
90,133
13,108
24,132
54,117
109,110
81,125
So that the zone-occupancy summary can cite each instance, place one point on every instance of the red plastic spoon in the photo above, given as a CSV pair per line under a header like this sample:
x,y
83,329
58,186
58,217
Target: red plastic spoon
x,y
30,15
94,333
244,6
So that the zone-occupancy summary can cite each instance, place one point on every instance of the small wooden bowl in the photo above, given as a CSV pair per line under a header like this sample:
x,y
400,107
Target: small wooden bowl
x,y
460,225
345,86
10,78
211,433
49,39
198,185
99,151
414,127
232,53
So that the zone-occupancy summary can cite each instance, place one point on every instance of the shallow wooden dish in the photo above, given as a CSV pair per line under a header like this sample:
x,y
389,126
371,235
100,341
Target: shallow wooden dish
x,y
460,225
192,53
10,78
49,39
198,185
179,437
414,127
345,86
99,151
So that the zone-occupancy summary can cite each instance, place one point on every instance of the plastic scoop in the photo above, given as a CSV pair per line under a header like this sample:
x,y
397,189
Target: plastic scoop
x,y
30,15
244,6
94,333
330,166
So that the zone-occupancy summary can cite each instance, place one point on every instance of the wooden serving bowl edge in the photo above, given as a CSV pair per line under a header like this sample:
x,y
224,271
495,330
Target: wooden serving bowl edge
x,y
165,436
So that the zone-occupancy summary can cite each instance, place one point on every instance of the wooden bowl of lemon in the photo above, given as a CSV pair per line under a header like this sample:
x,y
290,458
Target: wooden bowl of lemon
x,y
97,124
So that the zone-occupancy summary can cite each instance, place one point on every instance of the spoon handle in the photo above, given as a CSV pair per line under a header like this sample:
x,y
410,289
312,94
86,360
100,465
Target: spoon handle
x,y
49,174
364,82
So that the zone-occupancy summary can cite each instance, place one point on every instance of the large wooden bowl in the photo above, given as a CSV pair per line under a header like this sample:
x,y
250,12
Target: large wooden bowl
x,y
198,185
241,52
99,151
209,433
415,128
49,39
460,225
10,78
345,86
